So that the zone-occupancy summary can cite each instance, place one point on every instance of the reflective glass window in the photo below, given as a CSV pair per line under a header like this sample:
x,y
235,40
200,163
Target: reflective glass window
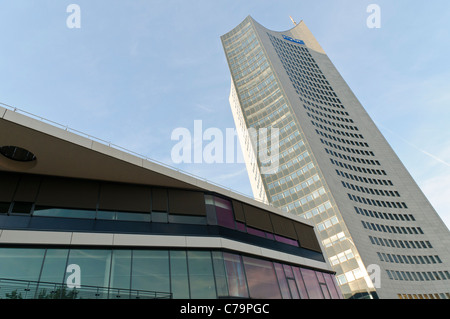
x,y
256,232
261,279
107,215
62,212
293,288
311,283
182,219
300,283
286,240
94,265
150,270
325,291
220,274
54,267
201,276
224,212
137,217
21,263
284,287
179,274
160,217
120,269
237,285
241,227
331,286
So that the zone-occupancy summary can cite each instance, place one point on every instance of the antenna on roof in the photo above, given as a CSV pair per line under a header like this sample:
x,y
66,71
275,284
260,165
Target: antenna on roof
x,y
293,20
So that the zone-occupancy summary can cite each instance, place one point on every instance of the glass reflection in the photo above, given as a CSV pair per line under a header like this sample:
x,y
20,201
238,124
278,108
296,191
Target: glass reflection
x,y
179,274
261,279
201,276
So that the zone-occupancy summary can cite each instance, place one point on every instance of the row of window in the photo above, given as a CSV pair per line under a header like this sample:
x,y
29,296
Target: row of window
x,y
335,118
330,241
327,223
335,124
350,276
304,79
298,159
363,179
294,160
232,37
276,113
372,191
187,274
358,169
243,80
418,275
393,229
342,257
294,175
298,188
305,91
425,296
262,85
331,110
387,216
273,87
352,158
337,139
221,214
245,41
332,105
260,95
378,203
338,132
345,148
396,243
224,216
304,200
402,259
244,61
317,210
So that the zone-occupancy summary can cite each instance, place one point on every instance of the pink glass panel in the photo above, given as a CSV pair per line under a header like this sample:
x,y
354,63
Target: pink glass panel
x,y
235,275
300,283
311,283
261,279
282,281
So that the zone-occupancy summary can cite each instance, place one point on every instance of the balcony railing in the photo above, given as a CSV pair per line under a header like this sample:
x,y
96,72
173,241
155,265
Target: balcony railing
x,y
23,289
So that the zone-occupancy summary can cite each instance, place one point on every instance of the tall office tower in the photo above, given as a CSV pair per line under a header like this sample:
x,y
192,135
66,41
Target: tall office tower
x,y
335,169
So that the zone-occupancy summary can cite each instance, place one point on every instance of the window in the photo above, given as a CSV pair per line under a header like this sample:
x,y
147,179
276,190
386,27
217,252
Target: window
x,y
261,279
311,283
237,285
201,275
150,270
63,212
21,208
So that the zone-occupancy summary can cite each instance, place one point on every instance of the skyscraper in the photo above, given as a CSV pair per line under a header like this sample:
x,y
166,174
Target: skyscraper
x,y
334,168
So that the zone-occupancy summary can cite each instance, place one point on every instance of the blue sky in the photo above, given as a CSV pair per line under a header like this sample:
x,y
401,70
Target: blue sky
x,y
137,70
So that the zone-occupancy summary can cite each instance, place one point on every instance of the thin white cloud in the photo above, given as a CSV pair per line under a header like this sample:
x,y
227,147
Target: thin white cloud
x,y
416,147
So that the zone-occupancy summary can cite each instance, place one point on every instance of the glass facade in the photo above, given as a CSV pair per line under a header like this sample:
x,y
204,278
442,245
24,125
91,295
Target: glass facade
x,y
182,274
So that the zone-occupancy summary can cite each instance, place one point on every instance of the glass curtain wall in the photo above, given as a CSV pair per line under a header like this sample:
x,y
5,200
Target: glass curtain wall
x,y
125,273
